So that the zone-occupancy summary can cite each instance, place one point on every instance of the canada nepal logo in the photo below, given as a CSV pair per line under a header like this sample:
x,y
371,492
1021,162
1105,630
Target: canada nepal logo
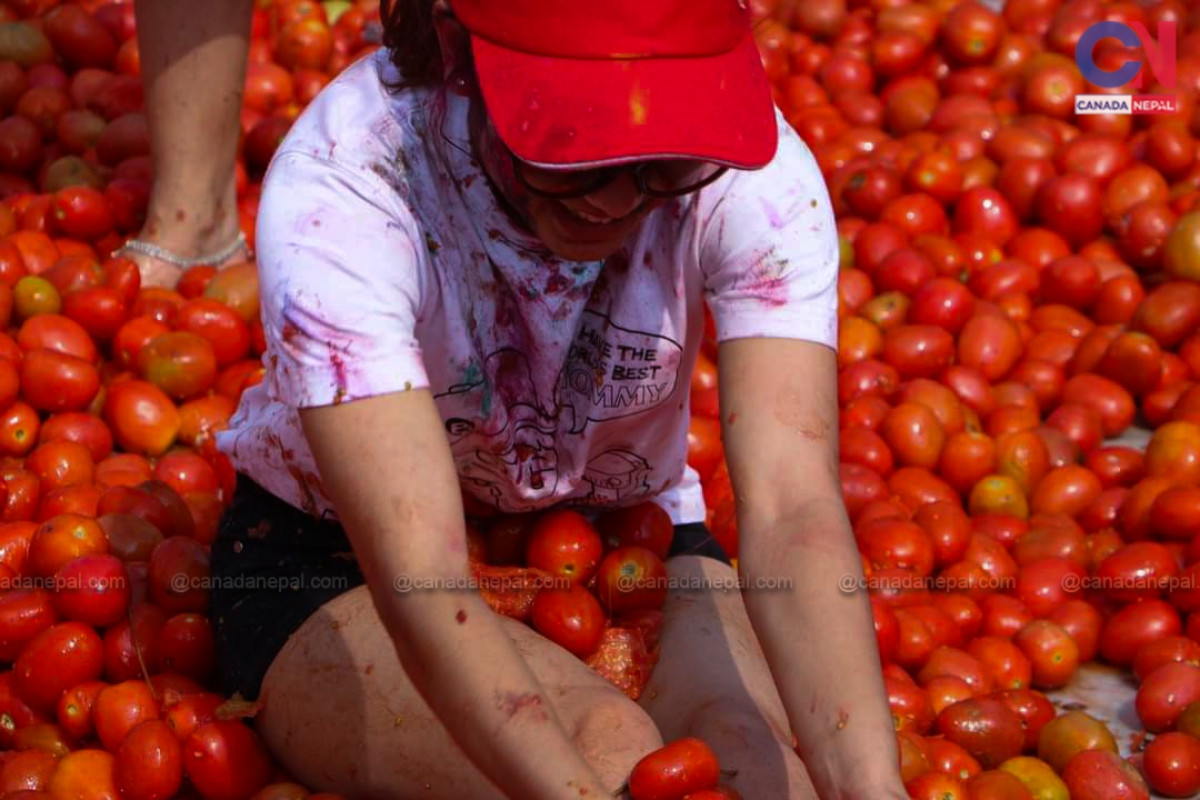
x,y
1159,56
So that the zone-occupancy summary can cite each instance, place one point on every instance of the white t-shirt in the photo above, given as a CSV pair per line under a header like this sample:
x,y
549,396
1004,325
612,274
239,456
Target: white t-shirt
x,y
387,265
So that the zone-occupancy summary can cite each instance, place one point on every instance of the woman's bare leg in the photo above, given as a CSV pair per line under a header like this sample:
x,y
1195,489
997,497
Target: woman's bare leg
x,y
341,715
712,682
194,68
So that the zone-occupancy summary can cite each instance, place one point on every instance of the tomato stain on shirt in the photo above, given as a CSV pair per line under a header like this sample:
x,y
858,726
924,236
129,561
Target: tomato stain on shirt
x,y
772,214
767,280
342,380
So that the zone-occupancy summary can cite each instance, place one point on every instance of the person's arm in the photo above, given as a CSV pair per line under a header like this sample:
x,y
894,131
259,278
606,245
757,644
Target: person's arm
x,y
385,464
341,286
779,403
769,252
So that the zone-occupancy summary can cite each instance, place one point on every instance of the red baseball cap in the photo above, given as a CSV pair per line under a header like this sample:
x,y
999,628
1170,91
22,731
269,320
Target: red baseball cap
x,y
586,83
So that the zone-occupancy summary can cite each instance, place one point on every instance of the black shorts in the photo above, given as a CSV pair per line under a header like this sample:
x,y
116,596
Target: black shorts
x,y
273,565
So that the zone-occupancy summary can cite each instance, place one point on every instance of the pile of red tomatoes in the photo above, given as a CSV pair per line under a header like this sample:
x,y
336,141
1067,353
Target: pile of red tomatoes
x,y
1020,289
110,487
1018,297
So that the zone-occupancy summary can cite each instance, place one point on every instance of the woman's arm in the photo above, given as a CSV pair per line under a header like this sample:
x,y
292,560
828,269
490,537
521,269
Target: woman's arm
x,y
385,464
779,403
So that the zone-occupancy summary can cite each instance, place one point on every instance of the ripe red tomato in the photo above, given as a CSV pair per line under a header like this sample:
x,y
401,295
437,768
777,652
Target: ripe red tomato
x,y
93,589
180,363
914,434
1004,615
985,212
1070,205
75,709
910,706
705,450
1165,693
99,310
631,579
646,525
120,708
944,302
936,786
1103,775
1045,584
1138,571
1009,667
897,543
1053,654
85,773
918,351
53,381
674,771
1069,734
219,325
952,662
60,540
79,37
1168,650
57,659
1135,626
186,471
142,417
24,613
225,759
564,543
887,629
1172,764
82,212
187,646
149,762
571,618
173,560
189,712
986,728
28,773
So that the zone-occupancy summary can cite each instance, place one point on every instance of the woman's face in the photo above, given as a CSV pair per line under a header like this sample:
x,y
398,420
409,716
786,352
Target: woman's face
x,y
588,228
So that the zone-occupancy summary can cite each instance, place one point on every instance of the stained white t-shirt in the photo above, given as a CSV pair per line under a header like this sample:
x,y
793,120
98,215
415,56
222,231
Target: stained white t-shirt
x,y
386,265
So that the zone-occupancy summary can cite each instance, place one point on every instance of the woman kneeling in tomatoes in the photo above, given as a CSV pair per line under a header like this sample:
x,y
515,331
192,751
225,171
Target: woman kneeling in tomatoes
x,y
484,256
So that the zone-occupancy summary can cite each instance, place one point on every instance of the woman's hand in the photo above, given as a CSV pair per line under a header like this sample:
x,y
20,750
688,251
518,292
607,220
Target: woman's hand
x,y
385,464
779,402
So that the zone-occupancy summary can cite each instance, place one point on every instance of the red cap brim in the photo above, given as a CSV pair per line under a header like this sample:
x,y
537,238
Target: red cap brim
x,y
557,112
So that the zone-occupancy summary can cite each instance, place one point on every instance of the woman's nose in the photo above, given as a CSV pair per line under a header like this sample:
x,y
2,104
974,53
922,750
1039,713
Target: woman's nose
x,y
617,199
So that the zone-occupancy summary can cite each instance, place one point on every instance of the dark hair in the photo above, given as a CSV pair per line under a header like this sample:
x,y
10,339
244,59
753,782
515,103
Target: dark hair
x,y
412,41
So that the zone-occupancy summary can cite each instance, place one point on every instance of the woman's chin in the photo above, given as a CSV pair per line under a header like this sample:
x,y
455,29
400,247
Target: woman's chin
x,y
574,239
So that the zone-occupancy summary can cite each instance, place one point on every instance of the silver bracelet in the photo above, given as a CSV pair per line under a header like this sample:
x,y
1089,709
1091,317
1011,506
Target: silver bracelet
x,y
154,251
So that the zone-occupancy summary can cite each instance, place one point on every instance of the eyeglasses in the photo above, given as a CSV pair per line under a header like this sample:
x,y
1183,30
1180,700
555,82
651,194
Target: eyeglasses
x,y
663,179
